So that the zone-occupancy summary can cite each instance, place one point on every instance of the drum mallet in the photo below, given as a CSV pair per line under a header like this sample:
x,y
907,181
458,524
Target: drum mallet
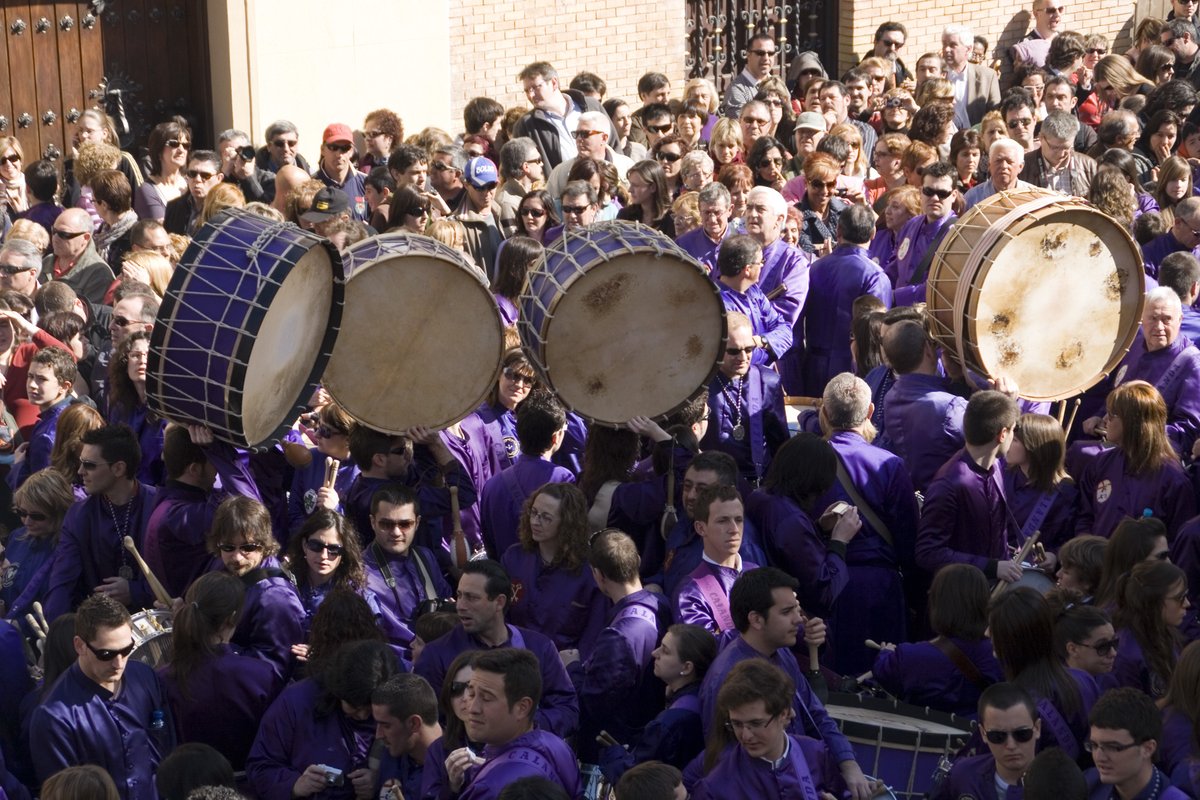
x,y
332,465
1020,558
40,614
874,645
160,592
1071,419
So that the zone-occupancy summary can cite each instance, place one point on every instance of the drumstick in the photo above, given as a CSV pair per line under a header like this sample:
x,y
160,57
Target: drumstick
x,y
874,645
41,615
458,538
1062,410
38,632
332,465
160,592
1020,557
1074,411
866,676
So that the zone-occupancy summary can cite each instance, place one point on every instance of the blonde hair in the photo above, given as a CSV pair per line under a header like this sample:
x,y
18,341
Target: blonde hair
x,y
30,231
933,90
449,232
687,207
157,266
713,95
219,198
726,131
94,158
850,135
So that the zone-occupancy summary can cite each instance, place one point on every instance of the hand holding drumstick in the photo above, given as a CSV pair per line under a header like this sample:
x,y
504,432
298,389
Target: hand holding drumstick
x,y
327,495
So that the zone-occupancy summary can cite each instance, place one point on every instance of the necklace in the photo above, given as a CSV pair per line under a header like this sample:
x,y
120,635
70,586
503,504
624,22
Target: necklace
x,y
125,572
735,403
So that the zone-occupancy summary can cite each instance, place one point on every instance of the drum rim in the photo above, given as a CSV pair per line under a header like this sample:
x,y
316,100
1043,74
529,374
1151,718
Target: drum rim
x,y
231,429
850,727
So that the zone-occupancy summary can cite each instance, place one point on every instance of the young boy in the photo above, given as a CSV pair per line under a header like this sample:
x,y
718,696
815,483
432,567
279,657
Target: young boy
x,y
48,386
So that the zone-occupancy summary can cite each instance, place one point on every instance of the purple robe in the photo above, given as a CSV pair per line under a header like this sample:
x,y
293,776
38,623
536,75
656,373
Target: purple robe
x,y
924,424
1108,494
1185,554
765,320
1103,791
127,734
673,737
795,546
227,695
916,237
302,500
824,328
90,549
975,777
504,497
508,311
882,250
1175,746
16,687
1175,372
811,717
41,442
436,531
149,429
685,549
1130,667
562,604
25,579
499,427
559,709
403,771
1158,248
697,245
1058,524
761,415
535,753
399,601
691,604
272,619
806,769
786,266
471,453
921,674
965,519
294,736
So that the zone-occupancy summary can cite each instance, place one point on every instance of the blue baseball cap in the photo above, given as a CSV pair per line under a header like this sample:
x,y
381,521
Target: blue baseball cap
x,y
480,172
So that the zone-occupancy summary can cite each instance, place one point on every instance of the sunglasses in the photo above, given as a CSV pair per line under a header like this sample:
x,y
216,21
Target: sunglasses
x,y
334,550
88,466
338,147
575,209
1103,648
419,213
891,43
325,432
457,688
512,374
68,235
764,53
1024,122
13,159
440,167
487,187
670,158
389,525
373,134
536,213
286,143
1098,51
121,322
10,269
173,143
32,515
940,194
584,134
249,548
740,351
1019,735
660,128
201,174
109,655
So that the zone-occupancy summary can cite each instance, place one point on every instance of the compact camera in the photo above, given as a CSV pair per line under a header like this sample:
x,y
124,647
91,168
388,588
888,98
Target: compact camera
x,y
333,775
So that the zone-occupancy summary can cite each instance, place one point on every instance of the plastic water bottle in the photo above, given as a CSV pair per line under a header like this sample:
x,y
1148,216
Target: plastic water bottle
x,y
156,720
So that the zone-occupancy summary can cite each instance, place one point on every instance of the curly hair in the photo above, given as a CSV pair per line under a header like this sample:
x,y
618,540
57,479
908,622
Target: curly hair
x,y
572,524
94,158
350,571
122,394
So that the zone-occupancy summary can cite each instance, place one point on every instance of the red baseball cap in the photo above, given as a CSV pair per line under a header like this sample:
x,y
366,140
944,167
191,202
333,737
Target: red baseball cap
x,y
337,132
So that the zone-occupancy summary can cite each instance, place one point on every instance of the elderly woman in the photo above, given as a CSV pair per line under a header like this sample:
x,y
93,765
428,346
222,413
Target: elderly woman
x,y
889,150
168,147
40,503
700,92
899,206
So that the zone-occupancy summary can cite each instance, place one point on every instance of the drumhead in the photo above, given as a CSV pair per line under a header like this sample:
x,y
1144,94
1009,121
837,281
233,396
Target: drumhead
x,y
635,328
871,719
421,337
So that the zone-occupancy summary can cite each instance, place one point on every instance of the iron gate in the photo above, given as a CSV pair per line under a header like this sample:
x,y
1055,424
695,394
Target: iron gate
x,y
719,31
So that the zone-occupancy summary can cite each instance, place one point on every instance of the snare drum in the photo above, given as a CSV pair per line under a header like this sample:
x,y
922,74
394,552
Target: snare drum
x,y
246,327
422,340
621,322
152,636
1040,287
1034,579
898,743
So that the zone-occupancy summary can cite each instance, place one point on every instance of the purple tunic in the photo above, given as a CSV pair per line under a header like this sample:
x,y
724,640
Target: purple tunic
x,y
472,454
806,770
1159,781
226,698
25,579
811,717
786,266
272,620
1175,372
41,442
399,599
1158,248
692,604
559,709
673,737
824,327
535,753
921,674
90,549
882,250
564,605
293,736
697,245
760,413
1130,667
499,426
765,320
795,546
965,519
975,777
82,723
1058,523
1185,554
916,237
924,424
149,429
1108,494
1175,746
685,549
504,496
302,500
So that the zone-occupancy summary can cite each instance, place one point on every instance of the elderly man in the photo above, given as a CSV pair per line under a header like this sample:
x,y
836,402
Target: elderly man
x,y
784,276
754,118
702,243
336,169
761,54
1055,165
1031,51
976,90
580,204
239,167
591,141
289,178
807,132
921,235
446,170
520,168
834,282
281,149
1006,157
1182,237
555,116
203,174
20,265
74,259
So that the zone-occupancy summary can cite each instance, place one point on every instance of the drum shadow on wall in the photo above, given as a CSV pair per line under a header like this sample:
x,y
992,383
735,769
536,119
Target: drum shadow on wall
x,y
246,328
1040,287
620,322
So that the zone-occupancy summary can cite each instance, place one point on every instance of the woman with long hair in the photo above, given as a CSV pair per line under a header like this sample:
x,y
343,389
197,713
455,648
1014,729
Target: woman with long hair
x,y
1131,168
1084,637
332,435
217,695
536,214
517,258
453,705
649,197
343,616
1151,605
1134,541
1115,79
927,673
168,146
408,211
1140,472
40,503
73,423
1158,140
1181,711
1174,185
559,596
127,404
1040,494
889,150
1112,193
325,554
496,414
767,158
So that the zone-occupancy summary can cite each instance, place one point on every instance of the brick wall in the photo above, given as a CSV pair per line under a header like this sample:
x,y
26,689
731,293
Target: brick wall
x,y
1000,21
619,40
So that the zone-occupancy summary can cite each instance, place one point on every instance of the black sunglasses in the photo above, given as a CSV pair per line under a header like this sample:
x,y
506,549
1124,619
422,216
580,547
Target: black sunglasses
x,y
458,687
1019,735
334,550
109,655
36,516
247,549
1104,647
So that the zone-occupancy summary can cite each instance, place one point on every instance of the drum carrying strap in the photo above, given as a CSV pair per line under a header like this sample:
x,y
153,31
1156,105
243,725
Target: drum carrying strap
x,y
963,664
922,270
602,505
1038,515
1185,356
717,600
860,502
390,580
1059,728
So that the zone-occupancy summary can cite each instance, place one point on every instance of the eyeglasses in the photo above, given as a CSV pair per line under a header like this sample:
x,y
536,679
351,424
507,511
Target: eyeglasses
x,y
740,351
201,174
1019,735
249,548
541,516
389,525
12,269
373,134
774,101
441,167
12,159
775,162
534,160
575,209
737,726
670,158
286,143
1108,748
516,377
121,322
68,235
339,147
1020,122
325,432
891,44
174,143
940,194
33,515
88,466
755,121
536,213
1178,598
314,546
1099,51
584,134
458,687
109,655
660,128
1055,11
1103,647
764,53
831,186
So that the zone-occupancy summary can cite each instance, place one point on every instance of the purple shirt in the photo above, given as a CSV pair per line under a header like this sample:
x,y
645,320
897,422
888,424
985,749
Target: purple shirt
x,y
697,244
760,413
41,442
806,769
1108,494
400,598
795,546
82,723
916,237
1103,791
921,674
787,266
965,519
272,620
1175,372
765,320
1058,524
685,548
535,753
565,605
504,496
924,424
1158,248
692,605
975,777
882,250
307,480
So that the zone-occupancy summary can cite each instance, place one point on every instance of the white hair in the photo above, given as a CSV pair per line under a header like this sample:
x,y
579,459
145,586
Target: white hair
x,y
771,198
846,400
961,31
1013,147
595,120
1166,295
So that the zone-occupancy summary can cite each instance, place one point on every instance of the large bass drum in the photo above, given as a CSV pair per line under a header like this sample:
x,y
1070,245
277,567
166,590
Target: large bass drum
x,y
621,322
1040,287
246,327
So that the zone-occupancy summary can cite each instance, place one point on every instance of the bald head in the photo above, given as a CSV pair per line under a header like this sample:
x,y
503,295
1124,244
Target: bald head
x,y
75,219
288,179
